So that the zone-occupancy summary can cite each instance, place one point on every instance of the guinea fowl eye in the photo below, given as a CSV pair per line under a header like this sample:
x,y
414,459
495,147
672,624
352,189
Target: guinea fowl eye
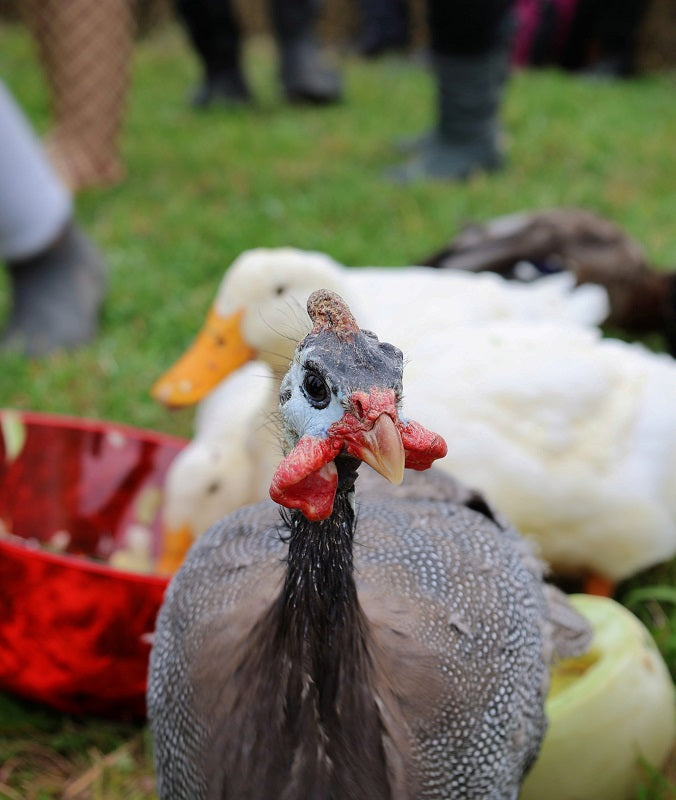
x,y
316,391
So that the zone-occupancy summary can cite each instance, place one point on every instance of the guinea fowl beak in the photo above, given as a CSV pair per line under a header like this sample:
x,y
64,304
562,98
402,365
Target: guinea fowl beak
x,y
381,448
371,434
218,350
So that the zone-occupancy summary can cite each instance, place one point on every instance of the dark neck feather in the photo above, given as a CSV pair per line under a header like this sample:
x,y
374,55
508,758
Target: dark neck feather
x,y
319,598
302,718
321,624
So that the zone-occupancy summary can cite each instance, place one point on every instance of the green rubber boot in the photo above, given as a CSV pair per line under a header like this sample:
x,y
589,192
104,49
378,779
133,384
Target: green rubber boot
x,y
467,138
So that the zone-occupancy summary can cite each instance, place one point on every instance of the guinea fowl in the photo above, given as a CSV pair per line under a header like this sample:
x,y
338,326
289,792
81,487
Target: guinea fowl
x,y
595,250
571,435
390,645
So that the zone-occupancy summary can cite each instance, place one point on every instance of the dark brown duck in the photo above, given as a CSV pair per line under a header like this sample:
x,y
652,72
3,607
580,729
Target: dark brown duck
x,y
595,250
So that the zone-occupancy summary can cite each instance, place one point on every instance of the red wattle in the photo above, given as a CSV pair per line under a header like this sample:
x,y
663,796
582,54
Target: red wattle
x,y
307,478
422,446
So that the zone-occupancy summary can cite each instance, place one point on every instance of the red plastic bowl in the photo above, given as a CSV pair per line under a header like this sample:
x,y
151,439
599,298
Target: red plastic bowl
x,y
73,630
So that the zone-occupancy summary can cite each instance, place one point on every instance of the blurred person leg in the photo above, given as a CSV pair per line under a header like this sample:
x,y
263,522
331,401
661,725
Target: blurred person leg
x,y
305,73
56,276
216,38
85,49
385,25
615,43
471,45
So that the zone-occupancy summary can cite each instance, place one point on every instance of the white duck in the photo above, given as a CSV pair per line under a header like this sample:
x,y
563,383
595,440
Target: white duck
x,y
230,461
572,436
259,309
234,451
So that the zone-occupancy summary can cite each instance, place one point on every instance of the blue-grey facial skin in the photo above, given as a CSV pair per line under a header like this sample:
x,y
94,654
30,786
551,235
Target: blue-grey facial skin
x,y
363,364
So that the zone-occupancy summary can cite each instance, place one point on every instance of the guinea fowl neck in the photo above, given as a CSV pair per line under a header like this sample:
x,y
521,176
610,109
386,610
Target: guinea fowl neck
x,y
324,634
320,595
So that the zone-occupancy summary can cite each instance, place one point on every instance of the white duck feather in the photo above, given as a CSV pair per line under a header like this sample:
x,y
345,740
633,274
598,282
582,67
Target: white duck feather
x,y
572,436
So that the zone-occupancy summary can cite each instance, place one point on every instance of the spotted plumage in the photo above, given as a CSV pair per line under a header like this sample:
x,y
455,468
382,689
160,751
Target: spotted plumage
x,y
389,644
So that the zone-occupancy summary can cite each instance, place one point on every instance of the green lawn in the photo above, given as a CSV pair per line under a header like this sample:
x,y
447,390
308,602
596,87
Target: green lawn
x,y
202,187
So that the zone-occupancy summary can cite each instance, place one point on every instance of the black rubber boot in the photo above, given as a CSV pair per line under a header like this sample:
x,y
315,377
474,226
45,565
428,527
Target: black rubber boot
x,y
226,89
56,297
304,71
216,36
467,136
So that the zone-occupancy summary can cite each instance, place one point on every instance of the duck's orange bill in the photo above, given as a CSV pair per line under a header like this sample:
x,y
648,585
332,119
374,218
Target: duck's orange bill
x,y
218,350
175,545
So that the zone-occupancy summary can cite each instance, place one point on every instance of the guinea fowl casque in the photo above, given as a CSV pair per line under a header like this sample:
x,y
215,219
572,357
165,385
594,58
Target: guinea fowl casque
x,y
393,643
571,435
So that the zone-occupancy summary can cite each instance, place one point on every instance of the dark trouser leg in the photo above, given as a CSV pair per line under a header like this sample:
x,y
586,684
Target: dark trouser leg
x,y
603,37
215,35
465,27
384,25
305,75
617,27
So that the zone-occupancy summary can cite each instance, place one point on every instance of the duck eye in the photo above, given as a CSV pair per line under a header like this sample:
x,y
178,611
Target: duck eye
x,y
316,391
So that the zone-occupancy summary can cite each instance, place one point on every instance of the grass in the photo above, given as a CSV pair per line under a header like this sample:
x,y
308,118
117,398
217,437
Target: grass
x,y
203,187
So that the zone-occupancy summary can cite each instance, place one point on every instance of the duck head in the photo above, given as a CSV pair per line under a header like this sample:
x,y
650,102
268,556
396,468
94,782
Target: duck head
x,y
259,312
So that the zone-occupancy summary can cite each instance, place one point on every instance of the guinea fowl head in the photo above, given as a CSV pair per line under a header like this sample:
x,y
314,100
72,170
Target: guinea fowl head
x,y
339,401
